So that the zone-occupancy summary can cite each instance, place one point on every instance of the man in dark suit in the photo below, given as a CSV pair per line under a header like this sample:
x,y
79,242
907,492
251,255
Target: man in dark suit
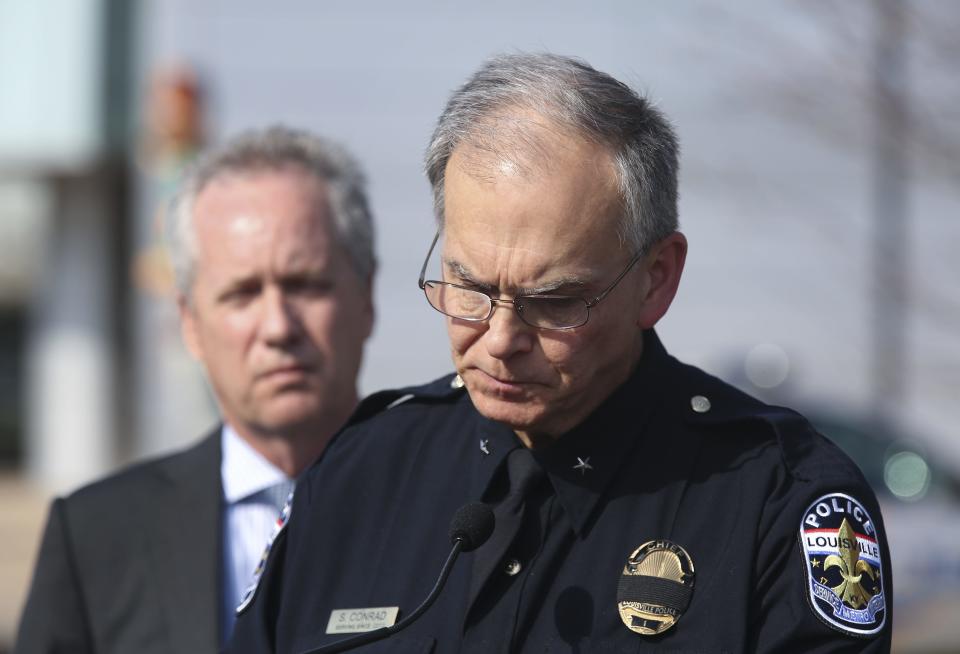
x,y
272,242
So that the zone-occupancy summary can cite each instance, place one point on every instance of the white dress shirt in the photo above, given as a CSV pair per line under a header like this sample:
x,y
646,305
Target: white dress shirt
x,y
254,491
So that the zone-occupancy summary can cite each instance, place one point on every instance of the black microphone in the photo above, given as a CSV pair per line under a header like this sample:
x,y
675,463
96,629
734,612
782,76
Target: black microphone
x,y
471,525
470,528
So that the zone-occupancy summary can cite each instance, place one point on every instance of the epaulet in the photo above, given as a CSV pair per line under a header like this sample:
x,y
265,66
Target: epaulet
x,y
442,389
710,401
720,406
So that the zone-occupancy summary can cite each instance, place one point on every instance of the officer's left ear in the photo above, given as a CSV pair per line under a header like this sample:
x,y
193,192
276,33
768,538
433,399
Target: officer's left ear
x,y
662,268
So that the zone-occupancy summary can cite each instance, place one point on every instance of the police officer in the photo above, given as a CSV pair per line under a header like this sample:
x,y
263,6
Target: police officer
x,y
641,504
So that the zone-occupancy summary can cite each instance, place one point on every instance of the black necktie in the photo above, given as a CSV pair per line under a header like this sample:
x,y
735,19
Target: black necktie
x,y
524,475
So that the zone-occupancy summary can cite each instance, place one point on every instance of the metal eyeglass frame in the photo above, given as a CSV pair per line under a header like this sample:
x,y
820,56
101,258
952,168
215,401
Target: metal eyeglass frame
x,y
517,302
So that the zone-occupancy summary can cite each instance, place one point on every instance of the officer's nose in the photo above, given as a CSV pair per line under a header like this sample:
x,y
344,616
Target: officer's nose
x,y
506,334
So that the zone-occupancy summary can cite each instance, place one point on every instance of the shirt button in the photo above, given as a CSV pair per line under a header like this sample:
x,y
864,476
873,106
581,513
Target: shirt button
x,y
700,404
512,568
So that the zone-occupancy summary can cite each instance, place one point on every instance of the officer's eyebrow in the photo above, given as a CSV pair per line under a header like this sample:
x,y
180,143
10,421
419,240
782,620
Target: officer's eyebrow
x,y
566,285
464,275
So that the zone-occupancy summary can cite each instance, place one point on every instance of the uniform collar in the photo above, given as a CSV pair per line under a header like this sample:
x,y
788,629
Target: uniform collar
x,y
582,463
244,470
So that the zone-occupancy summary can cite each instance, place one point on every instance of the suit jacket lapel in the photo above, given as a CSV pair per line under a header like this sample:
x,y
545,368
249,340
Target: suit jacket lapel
x,y
185,548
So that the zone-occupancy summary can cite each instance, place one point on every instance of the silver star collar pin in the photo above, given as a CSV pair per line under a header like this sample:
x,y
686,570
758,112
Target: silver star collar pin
x,y
484,443
583,465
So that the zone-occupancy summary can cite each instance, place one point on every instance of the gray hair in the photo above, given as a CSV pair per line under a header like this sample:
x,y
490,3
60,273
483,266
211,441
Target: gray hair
x,y
272,149
571,93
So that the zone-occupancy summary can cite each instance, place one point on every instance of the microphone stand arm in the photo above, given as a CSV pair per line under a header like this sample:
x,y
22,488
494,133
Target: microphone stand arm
x,y
383,632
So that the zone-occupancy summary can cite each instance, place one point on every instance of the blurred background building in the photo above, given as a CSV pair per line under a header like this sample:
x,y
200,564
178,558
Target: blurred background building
x,y
820,194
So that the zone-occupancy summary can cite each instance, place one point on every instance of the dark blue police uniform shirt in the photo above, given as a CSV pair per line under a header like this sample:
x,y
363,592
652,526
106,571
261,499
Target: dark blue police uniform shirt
x,y
730,483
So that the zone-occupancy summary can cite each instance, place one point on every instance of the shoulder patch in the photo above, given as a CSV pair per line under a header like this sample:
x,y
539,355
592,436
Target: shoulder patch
x,y
841,557
280,525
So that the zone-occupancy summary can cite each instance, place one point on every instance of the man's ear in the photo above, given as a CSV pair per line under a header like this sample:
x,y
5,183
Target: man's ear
x,y
663,267
189,328
370,311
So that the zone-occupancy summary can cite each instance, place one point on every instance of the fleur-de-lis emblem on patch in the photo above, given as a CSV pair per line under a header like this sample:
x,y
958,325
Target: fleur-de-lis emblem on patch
x,y
849,590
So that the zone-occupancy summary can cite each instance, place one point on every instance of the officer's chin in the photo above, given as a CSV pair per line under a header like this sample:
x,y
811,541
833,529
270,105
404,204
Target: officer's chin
x,y
519,416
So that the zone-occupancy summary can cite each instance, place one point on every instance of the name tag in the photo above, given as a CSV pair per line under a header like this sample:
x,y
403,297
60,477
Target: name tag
x,y
354,621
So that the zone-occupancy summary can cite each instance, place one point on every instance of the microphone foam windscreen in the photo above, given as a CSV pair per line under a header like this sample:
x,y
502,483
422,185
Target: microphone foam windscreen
x,y
472,524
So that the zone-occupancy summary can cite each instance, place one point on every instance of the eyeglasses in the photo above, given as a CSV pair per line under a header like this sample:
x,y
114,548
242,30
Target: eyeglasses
x,y
540,311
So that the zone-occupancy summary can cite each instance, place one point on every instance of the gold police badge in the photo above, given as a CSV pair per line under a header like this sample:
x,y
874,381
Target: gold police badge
x,y
655,587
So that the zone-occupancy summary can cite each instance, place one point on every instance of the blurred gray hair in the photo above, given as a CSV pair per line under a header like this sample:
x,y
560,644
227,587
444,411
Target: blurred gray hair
x,y
271,149
572,94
